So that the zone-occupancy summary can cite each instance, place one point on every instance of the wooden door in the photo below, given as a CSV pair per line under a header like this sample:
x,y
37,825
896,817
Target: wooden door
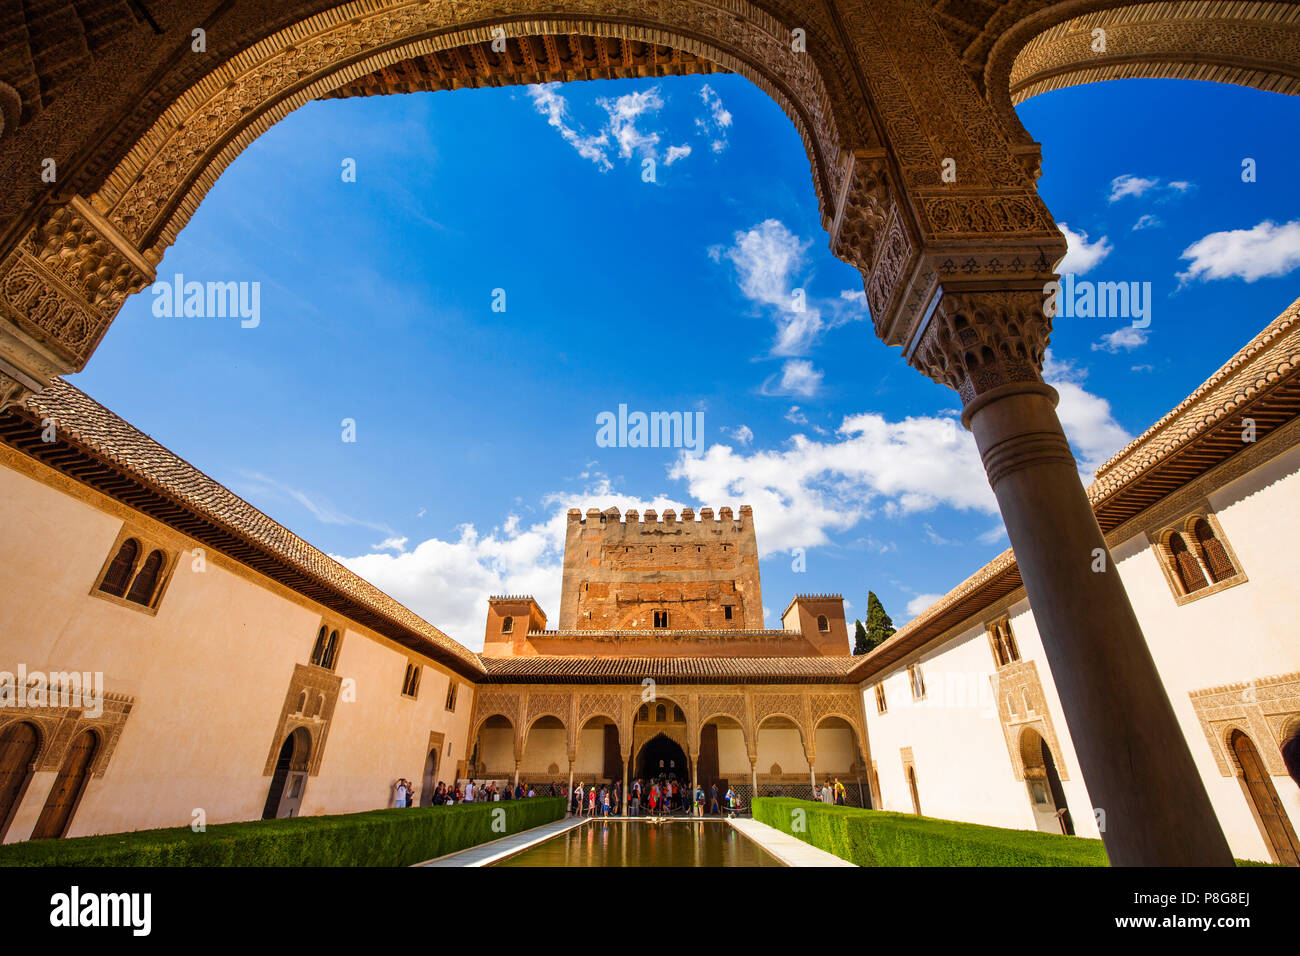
x,y
18,744
1273,820
67,789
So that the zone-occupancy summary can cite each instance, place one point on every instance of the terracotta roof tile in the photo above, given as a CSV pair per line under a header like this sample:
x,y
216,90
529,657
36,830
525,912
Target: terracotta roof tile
x,y
612,670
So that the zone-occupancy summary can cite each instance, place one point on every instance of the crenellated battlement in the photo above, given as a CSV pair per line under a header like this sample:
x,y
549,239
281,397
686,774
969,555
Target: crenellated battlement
x,y
595,516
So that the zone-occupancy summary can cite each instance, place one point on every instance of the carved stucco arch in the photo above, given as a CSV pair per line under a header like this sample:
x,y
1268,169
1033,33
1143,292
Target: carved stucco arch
x,y
152,192
1227,41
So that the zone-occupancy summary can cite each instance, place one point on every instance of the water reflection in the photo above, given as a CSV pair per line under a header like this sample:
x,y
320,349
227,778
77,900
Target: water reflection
x,y
638,843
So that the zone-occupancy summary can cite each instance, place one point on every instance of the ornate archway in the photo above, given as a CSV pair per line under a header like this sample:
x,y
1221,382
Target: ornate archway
x,y
886,96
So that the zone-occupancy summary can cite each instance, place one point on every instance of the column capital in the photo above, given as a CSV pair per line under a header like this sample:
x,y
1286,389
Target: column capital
x,y
977,341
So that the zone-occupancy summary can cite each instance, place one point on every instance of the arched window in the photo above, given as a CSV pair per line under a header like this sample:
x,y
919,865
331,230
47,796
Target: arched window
x,y
823,625
1213,553
1190,576
508,625
661,714
644,713
318,650
331,650
302,703
146,582
119,571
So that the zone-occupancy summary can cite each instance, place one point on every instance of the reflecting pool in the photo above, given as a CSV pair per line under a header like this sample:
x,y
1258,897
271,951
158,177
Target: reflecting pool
x,y
641,843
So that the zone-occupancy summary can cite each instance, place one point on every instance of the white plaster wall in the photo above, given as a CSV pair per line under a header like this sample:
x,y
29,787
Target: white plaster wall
x,y
591,753
1244,633
835,752
733,758
1237,635
545,746
783,746
209,673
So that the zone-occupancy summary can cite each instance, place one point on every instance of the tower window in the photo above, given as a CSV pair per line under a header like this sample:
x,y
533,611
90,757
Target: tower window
x,y
661,618
726,612
508,625
823,625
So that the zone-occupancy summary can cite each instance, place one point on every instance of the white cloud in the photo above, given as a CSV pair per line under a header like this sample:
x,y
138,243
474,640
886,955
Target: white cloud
x,y
555,108
857,296
795,416
1266,250
1081,256
256,485
744,434
1130,185
1126,338
798,377
675,153
995,534
391,544
716,121
1147,221
921,603
624,113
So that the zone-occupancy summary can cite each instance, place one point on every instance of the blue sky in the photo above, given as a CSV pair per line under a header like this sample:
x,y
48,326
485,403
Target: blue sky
x,y
476,428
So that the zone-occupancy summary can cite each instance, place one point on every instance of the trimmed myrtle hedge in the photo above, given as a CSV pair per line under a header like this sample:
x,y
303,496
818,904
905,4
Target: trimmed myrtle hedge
x,y
375,838
880,838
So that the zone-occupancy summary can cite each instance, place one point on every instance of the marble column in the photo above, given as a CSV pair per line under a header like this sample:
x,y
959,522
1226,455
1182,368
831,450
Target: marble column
x,y
989,347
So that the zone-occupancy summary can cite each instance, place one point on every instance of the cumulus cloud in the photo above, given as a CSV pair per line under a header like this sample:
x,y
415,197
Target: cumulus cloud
x,y
1124,339
1266,250
675,153
1081,255
798,377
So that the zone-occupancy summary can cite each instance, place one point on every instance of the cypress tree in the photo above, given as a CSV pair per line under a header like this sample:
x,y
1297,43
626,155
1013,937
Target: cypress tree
x,y
879,627
860,640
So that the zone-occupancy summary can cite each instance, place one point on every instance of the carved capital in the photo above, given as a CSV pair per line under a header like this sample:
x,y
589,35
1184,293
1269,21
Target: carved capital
x,y
976,341
60,288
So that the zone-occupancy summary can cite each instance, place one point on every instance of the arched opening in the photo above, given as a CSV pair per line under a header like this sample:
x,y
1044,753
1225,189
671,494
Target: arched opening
x,y
1274,824
19,743
493,755
145,585
598,761
724,760
839,762
546,754
783,769
289,779
69,787
662,759
119,571
1046,795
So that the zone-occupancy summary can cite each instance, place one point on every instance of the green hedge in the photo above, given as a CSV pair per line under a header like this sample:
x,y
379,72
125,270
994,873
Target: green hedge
x,y
375,838
879,838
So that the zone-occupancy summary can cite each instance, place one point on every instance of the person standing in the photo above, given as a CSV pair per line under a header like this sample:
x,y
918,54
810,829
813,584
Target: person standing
x,y
399,791
713,798
699,801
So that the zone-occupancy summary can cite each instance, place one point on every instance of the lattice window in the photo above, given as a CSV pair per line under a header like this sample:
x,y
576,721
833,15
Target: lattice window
x,y
1190,576
1213,553
882,705
1003,641
119,571
508,625
661,619
452,687
145,584
325,651
823,624
917,680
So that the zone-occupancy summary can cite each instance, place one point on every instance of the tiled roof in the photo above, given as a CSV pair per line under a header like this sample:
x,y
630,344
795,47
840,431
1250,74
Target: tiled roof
x,y
83,423
700,670
1261,381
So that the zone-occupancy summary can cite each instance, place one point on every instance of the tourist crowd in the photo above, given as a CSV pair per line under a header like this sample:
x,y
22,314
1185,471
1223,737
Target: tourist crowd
x,y
659,797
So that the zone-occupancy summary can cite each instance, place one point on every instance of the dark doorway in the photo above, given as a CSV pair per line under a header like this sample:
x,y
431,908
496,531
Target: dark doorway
x,y
290,777
430,778
68,787
662,757
1058,792
1273,821
18,745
